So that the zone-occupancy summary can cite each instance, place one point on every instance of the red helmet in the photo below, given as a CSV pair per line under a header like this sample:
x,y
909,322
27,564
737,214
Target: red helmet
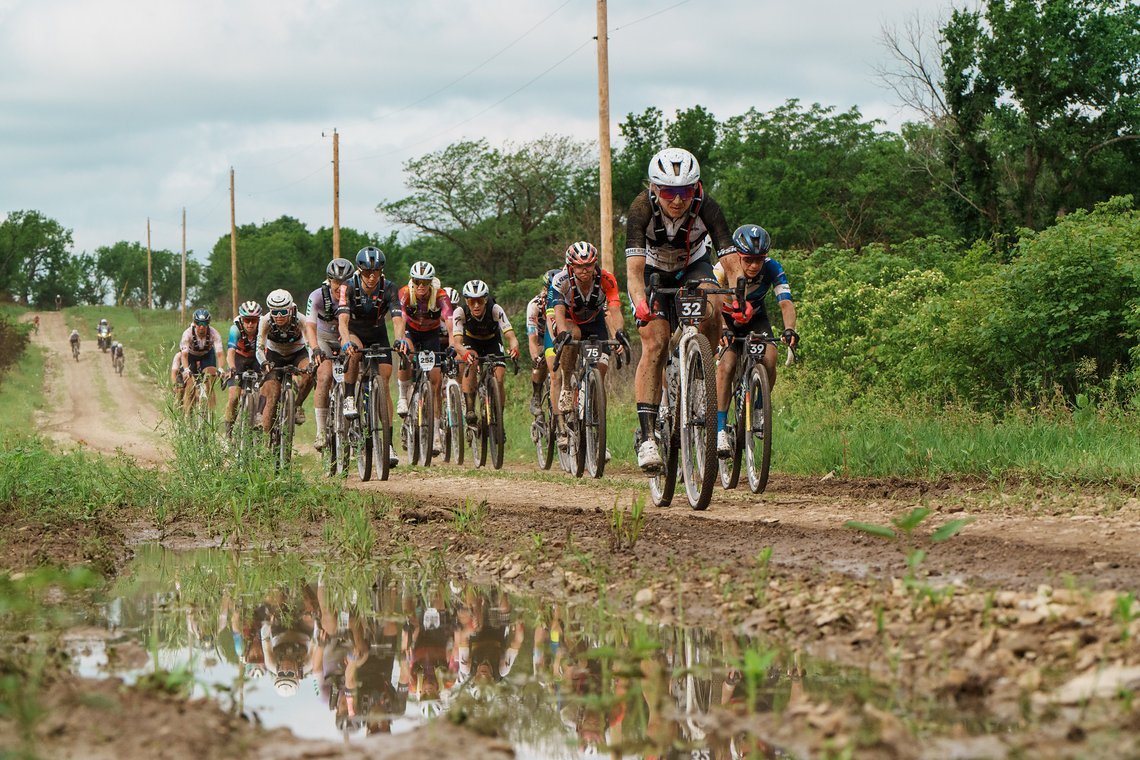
x,y
581,253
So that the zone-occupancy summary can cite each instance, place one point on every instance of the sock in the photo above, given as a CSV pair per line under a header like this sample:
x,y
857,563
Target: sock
x,y
721,418
647,417
322,416
405,389
349,389
470,401
392,434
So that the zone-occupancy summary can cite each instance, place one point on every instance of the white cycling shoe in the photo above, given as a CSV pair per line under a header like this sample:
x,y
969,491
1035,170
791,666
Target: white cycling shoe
x,y
349,408
437,443
393,460
648,457
566,401
723,445
319,442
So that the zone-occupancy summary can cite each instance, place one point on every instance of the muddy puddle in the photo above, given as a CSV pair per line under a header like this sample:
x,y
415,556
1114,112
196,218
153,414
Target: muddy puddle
x,y
344,650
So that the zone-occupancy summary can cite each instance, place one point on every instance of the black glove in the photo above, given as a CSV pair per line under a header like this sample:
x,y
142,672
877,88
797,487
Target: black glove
x,y
791,337
562,339
623,339
319,354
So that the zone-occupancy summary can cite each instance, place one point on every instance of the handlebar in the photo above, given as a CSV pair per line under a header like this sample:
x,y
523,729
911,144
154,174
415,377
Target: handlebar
x,y
762,338
609,343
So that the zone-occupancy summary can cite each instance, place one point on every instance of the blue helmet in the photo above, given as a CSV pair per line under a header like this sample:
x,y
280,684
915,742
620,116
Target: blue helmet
x,y
752,240
370,257
201,316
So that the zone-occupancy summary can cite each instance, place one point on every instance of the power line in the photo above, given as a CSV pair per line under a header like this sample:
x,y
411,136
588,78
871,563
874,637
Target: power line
x,y
651,15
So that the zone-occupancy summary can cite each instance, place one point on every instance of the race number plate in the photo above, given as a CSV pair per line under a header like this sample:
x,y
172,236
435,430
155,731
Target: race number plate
x,y
593,353
756,348
691,308
426,360
338,372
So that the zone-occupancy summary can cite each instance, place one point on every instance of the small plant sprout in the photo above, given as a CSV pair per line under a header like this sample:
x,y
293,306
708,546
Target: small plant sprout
x,y
625,528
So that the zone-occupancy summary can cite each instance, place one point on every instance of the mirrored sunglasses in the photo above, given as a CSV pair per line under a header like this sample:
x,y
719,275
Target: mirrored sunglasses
x,y
279,312
684,192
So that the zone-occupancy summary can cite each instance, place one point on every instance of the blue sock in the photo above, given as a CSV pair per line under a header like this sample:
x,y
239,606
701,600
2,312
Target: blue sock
x,y
721,418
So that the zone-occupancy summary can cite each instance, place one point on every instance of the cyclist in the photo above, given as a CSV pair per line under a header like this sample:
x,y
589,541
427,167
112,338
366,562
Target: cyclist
x,y
426,307
538,340
201,346
73,339
281,342
36,323
323,338
479,329
673,230
761,274
58,301
583,302
241,355
364,303
116,350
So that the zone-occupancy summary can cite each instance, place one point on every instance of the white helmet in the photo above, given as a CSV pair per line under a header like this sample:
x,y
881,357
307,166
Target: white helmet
x,y
422,270
430,708
279,299
285,686
674,167
475,289
452,295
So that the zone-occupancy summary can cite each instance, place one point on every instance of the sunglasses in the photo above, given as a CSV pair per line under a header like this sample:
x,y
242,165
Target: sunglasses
x,y
752,259
669,193
279,312
371,272
422,283
250,320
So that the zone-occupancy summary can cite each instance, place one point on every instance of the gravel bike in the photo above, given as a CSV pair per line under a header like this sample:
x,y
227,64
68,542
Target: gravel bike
x,y
117,361
749,425
369,433
284,418
338,446
542,429
585,424
488,434
686,418
249,397
417,432
453,411
75,349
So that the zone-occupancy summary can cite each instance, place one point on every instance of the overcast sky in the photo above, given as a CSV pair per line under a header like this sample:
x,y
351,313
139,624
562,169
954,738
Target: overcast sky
x,y
113,111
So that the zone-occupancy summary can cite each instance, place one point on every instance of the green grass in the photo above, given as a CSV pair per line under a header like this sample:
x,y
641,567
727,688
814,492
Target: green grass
x,y
22,393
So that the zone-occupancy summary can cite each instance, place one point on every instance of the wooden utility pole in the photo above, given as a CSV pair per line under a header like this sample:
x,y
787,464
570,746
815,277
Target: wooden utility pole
x,y
233,246
336,194
605,184
182,300
149,292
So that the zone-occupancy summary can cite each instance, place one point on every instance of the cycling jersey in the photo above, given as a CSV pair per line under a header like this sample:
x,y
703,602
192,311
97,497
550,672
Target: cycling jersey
x,y
322,308
427,314
771,277
672,245
74,337
200,346
491,327
285,340
366,311
240,341
581,307
536,314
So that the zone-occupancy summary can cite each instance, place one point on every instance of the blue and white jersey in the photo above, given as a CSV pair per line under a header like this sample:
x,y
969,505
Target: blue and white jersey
x,y
771,277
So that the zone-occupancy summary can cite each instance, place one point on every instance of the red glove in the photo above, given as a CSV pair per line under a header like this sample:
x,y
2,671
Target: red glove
x,y
741,313
642,313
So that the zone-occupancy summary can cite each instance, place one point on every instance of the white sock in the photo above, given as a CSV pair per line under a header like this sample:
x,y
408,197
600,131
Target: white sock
x,y
405,389
322,416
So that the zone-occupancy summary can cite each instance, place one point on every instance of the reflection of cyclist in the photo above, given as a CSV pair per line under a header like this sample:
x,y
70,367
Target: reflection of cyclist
x,y
486,655
480,327
288,643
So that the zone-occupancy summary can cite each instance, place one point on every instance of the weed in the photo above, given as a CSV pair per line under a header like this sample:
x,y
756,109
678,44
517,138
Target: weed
x,y
1123,613
760,573
626,529
538,540
469,517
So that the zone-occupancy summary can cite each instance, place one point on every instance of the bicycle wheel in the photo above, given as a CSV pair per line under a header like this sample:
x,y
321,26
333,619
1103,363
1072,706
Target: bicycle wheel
x,y
542,429
382,439
453,430
243,423
286,409
424,406
593,423
478,431
332,447
758,424
495,429
365,442
730,466
698,423
662,485
340,429
408,441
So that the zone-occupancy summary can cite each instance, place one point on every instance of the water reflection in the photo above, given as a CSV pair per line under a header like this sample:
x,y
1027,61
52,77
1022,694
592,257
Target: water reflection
x,y
355,651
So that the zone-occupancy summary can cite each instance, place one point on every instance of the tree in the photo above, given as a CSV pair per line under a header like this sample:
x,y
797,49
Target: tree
x,y
35,251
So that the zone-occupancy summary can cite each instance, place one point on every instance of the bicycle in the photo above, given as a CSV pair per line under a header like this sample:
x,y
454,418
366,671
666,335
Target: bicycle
x,y
585,425
417,432
75,349
338,447
368,433
749,425
248,400
200,410
284,420
453,411
542,429
686,419
118,362
488,434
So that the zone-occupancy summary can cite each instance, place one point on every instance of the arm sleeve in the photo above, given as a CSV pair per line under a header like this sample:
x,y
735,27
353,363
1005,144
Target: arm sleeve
x,y
780,286
501,317
233,337
445,306
393,297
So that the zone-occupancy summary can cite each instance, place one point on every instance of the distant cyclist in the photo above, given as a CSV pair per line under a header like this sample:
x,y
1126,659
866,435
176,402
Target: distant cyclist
x,y
426,307
761,274
74,340
364,304
674,230
481,326
323,337
539,341
36,323
201,348
281,341
241,355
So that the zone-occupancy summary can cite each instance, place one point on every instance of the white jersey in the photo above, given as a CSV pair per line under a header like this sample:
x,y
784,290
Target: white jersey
x,y
197,346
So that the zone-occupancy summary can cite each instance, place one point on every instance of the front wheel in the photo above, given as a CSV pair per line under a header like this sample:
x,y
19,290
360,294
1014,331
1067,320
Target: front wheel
x,y
734,427
286,408
542,429
495,432
758,423
423,405
662,485
366,443
453,419
698,422
593,423
380,424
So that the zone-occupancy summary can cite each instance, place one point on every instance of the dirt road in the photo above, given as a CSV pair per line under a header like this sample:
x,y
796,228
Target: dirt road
x,y
90,405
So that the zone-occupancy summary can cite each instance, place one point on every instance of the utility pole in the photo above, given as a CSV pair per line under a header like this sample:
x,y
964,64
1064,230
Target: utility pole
x,y
605,183
149,296
336,194
182,300
233,246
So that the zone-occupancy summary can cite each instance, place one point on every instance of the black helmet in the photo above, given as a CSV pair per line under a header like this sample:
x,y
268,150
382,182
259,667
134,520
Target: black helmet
x,y
752,240
201,316
370,257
